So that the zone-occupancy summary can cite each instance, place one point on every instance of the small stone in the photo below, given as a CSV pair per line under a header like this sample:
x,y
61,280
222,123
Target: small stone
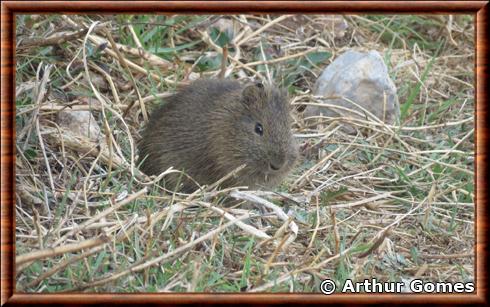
x,y
80,123
361,77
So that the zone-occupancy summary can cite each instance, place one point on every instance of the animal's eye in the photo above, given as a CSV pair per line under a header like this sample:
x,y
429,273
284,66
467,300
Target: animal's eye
x,y
259,129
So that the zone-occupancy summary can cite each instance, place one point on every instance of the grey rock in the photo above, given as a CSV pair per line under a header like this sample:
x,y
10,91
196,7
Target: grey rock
x,y
361,77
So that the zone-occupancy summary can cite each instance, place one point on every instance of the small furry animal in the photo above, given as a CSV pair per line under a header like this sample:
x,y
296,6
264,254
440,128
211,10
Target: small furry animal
x,y
211,127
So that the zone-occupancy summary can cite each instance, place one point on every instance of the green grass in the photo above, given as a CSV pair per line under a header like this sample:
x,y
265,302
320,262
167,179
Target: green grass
x,y
433,90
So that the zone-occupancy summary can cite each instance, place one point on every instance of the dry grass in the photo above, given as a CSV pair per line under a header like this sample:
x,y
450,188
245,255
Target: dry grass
x,y
392,203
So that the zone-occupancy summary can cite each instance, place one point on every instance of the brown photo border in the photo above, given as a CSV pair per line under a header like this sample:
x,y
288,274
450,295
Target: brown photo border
x,y
8,10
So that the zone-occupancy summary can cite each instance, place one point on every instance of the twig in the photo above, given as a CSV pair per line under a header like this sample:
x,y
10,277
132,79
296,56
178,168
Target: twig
x,y
263,28
62,265
102,214
54,251
450,256
122,60
362,201
247,228
56,39
162,259
278,211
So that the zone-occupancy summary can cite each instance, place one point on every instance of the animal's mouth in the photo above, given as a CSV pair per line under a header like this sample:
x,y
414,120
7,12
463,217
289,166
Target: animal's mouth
x,y
274,167
281,163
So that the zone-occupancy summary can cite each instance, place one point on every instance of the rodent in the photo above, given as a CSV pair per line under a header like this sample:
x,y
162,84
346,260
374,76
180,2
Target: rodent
x,y
211,127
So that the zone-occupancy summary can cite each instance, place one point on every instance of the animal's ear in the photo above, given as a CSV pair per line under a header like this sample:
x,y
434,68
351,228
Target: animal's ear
x,y
252,94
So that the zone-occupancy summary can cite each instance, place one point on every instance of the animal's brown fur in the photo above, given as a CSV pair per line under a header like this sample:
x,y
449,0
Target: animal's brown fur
x,y
208,129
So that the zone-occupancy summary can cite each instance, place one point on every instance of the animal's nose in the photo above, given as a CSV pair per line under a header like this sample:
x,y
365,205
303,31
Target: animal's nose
x,y
277,162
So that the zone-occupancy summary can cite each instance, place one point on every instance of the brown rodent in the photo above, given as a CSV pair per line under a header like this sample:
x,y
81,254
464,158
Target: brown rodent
x,y
211,127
